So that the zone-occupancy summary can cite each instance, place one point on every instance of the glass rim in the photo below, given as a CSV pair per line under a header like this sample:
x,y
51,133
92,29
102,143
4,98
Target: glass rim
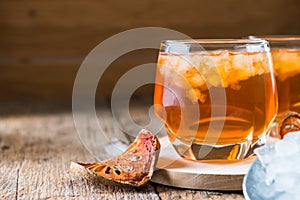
x,y
276,38
254,41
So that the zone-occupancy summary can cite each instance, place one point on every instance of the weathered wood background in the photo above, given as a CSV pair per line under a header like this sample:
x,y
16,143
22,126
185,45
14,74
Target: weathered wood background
x,y
42,43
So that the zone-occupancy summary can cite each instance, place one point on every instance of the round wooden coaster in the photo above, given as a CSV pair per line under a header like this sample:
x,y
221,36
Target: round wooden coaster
x,y
172,170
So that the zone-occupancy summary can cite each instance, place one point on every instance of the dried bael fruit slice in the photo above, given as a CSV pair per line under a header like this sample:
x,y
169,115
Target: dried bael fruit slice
x,y
134,167
290,123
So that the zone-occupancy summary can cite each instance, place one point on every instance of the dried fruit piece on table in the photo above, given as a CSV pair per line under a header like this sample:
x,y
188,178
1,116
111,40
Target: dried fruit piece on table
x,y
133,167
290,123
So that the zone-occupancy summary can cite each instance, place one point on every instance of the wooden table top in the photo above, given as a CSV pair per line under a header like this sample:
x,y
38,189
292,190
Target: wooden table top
x,y
36,146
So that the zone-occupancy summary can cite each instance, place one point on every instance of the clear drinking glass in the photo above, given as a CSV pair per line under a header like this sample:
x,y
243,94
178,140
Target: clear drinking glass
x,y
217,98
285,52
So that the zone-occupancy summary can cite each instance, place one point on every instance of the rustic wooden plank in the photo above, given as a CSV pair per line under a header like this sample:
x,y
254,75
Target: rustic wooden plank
x,y
36,42
30,81
169,193
36,28
52,78
42,43
9,173
36,165
36,146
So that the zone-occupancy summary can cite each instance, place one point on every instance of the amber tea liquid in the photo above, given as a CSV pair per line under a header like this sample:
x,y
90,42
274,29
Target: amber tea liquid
x,y
186,82
287,70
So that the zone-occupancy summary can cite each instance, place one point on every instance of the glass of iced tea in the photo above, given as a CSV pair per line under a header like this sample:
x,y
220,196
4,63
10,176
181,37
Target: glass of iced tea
x,y
217,98
285,52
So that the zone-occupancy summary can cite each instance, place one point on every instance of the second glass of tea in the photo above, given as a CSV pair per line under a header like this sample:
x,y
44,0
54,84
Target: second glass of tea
x,y
286,61
217,98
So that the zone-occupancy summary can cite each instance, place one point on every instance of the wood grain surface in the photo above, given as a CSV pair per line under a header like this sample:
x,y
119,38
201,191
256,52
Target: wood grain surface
x,y
37,143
